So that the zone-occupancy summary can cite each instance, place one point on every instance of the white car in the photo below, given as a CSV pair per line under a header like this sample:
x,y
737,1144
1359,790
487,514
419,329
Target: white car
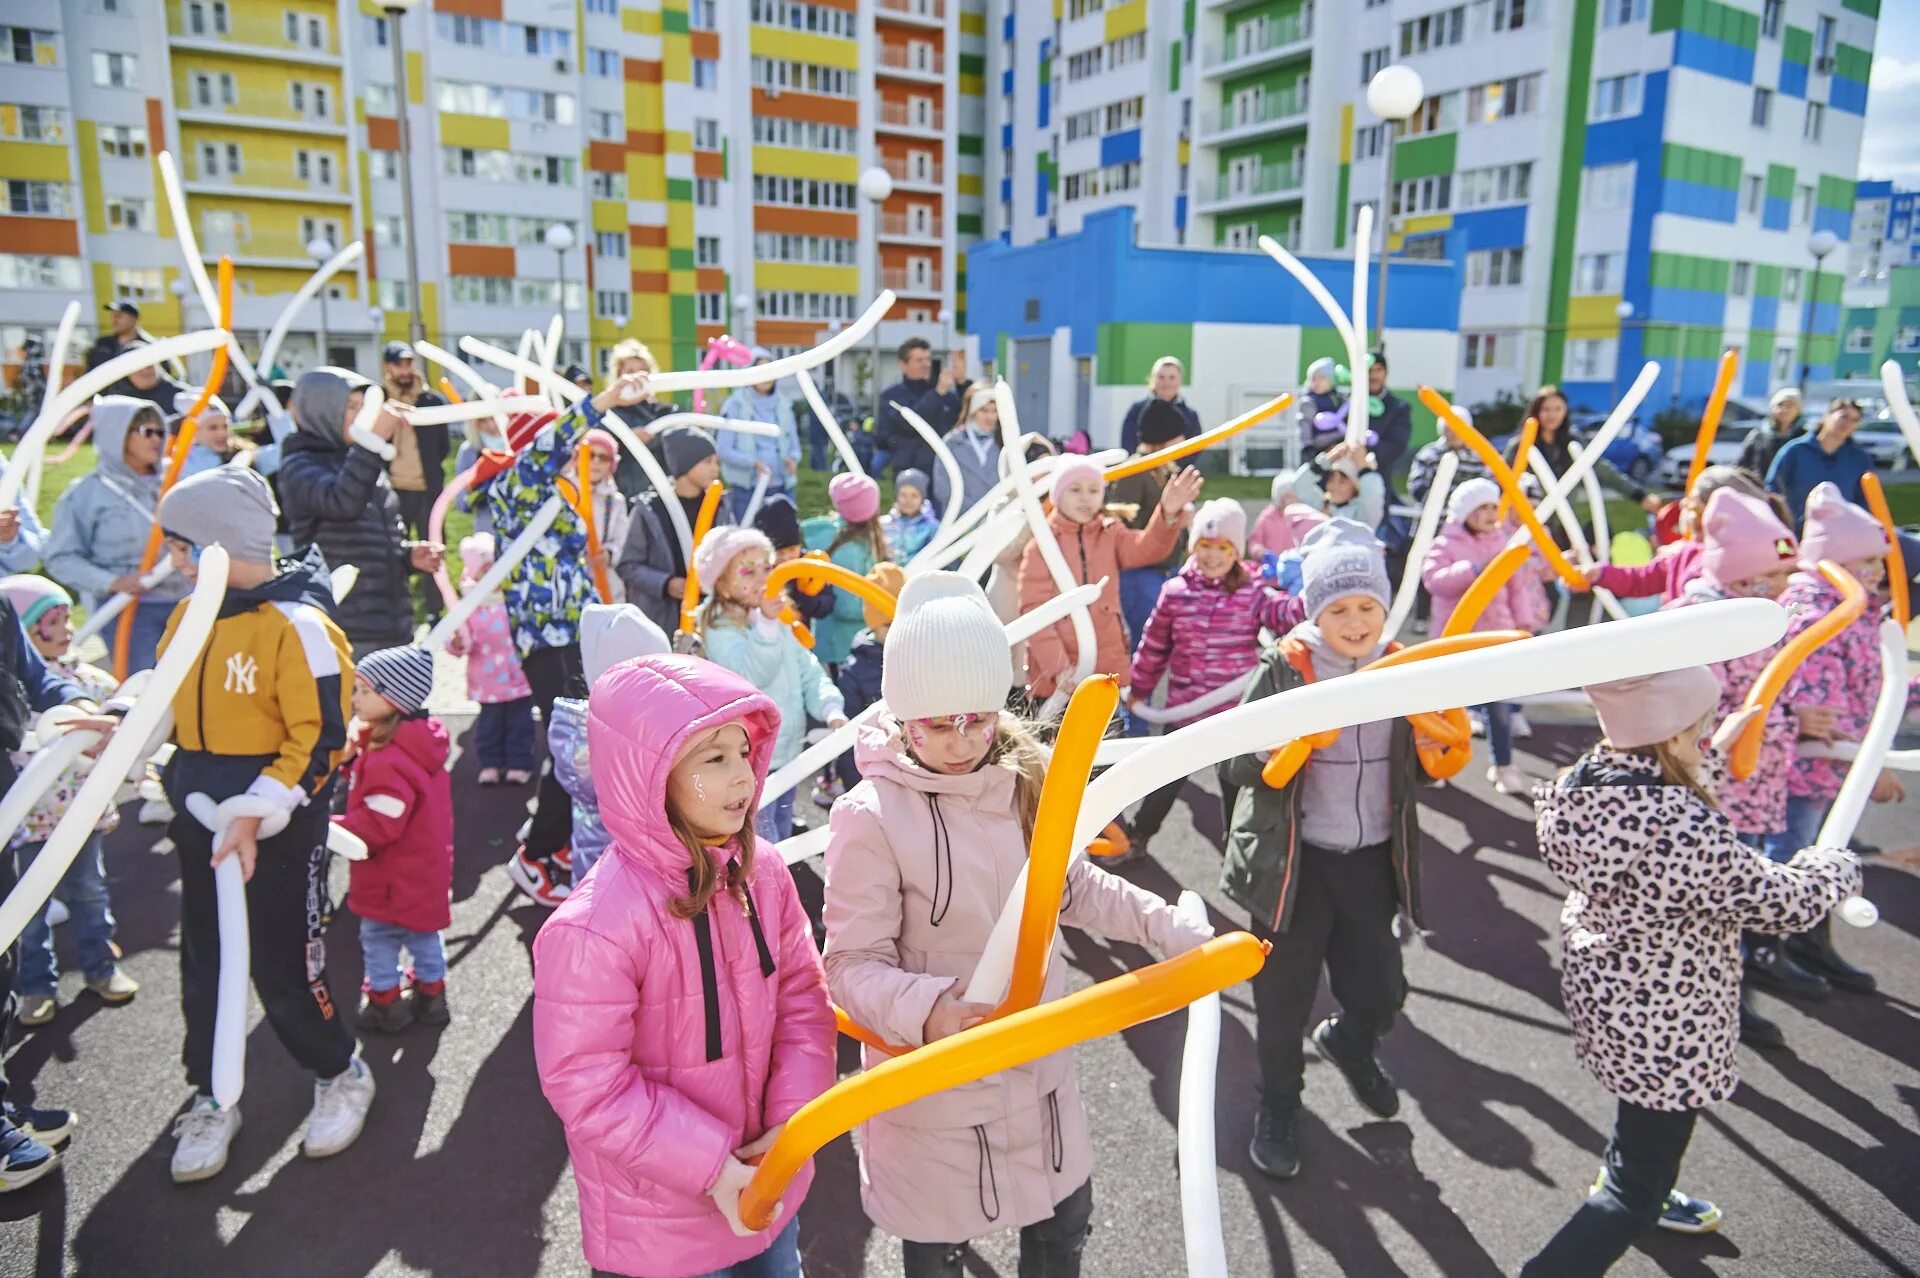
x,y
1725,451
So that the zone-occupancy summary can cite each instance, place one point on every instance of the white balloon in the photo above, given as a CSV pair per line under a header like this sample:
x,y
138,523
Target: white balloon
x,y
1083,636
1851,803
1576,535
48,764
1356,332
1595,449
754,499
1602,536
1318,292
1199,1171
270,349
480,386
1895,384
956,484
828,423
755,375
203,286
1232,690
1423,534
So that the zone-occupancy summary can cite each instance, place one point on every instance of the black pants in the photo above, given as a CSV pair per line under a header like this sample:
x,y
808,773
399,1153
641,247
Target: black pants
x,y
416,508
1049,1249
552,672
285,898
9,957
1342,919
1642,1162
1155,807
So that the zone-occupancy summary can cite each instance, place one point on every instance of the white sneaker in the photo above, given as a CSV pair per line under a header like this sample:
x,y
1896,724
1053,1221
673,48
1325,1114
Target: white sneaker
x,y
203,1134
1477,723
57,912
1517,723
1510,780
155,812
340,1107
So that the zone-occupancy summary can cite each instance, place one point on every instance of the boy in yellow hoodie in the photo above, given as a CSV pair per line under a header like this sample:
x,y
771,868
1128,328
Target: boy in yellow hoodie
x,y
263,713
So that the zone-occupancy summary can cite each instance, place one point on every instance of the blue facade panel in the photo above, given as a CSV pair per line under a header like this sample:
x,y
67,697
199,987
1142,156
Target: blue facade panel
x,y
1490,229
1690,199
1120,148
1006,190
1006,26
1180,212
1766,312
1006,83
1756,372
1839,221
1847,95
1006,137
1046,82
1633,140
1793,79
1776,214
1679,306
1706,54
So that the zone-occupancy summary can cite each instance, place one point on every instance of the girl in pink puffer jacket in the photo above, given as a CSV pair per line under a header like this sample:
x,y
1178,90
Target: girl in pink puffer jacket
x,y
680,1015
1471,539
922,856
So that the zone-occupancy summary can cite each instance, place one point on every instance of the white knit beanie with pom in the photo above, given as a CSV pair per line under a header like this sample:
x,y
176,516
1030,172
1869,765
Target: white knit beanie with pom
x,y
947,652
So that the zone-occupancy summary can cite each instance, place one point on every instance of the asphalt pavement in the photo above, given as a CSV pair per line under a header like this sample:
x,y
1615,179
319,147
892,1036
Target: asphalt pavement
x,y
463,1169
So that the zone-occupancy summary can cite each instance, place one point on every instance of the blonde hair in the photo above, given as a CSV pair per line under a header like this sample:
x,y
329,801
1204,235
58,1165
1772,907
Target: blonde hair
x,y
629,348
1166,361
1674,769
1016,746
867,530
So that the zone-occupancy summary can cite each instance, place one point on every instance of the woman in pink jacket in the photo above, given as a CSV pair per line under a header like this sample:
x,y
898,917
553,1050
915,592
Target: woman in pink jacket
x,y
923,854
1096,543
1471,539
680,1016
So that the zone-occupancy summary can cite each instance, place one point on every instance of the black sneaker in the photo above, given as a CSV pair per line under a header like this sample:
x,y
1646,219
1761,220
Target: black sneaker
x,y
51,1127
431,1009
1755,1029
1275,1148
1770,967
385,1018
1813,952
1370,1084
23,1158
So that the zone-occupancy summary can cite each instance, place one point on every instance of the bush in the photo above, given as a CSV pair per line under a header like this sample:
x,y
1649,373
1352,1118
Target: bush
x,y
1676,426
1502,416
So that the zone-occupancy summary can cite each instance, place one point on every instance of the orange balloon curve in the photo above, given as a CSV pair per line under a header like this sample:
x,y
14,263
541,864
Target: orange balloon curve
x,y
702,525
1780,667
1897,584
1205,439
1710,418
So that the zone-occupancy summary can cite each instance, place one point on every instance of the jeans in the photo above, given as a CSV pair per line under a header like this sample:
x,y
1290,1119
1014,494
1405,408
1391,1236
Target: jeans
x,y
83,888
775,822
1499,732
781,1259
503,734
1804,819
9,958
552,672
380,946
1139,591
1050,1248
1642,1162
149,623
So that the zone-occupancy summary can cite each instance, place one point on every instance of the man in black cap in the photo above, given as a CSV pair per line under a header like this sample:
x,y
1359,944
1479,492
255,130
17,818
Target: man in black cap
x,y
418,470
123,333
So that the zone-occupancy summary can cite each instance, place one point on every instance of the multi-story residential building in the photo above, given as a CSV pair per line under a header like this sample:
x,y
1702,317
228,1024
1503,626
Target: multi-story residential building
x,y
1616,180
702,156
1886,231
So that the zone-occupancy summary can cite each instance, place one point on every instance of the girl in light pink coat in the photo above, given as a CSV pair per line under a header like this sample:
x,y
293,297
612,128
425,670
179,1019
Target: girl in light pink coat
x,y
922,856
1470,540
680,1015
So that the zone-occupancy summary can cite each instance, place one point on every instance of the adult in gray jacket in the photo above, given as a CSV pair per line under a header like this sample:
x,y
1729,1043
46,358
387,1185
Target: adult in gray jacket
x,y
336,496
652,565
975,444
102,522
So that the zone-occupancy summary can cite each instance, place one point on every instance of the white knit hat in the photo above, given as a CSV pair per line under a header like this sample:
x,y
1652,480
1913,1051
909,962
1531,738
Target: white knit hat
x,y
1471,496
947,652
1222,519
719,548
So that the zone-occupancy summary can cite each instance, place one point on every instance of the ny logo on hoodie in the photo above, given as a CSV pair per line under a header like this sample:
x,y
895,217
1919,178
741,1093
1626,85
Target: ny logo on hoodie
x,y
241,670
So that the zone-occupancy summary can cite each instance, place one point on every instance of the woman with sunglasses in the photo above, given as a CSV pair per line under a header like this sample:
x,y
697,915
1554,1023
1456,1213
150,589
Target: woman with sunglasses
x,y
102,521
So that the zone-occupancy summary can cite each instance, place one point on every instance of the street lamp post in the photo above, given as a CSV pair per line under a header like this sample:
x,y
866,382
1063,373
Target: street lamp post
x,y
559,238
1820,243
876,184
743,317
1623,311
396,10
1394,93
320,250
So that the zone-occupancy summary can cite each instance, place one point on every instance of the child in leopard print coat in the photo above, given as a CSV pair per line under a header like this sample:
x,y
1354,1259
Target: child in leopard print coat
x,y
1650,942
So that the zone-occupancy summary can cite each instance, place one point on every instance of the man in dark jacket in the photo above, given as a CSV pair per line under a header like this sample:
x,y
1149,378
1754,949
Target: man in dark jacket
x,y
1394,424
27,686
418,469
336,496
1766,441
936,399
122,335
153,386
652,564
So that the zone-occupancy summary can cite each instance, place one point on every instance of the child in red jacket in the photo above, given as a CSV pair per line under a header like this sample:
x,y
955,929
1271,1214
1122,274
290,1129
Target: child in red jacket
x,y
400,801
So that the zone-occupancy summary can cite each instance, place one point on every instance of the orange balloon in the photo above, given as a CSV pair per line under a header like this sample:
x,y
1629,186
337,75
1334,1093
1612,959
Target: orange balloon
x,y
992,1047
1896,561
792,621
1710,419
446,388
1529,432
1205,439
1443,742
1509,484
702,525
1491,581
1773,678
828,573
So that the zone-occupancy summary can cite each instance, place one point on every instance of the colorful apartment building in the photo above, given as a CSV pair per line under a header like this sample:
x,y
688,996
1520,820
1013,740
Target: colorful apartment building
x,y
702,156
1616,180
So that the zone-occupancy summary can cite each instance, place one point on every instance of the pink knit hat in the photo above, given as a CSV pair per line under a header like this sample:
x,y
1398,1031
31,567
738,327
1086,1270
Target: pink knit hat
x,y
601,441
1837,529
1075,468
1301,519
1648,709
855,497
1743,538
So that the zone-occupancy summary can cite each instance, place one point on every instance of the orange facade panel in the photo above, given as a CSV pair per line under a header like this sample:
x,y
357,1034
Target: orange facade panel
x,y
709,164
642,72
654,143
652,283
901,94
709,279
773,217
481,259
383,133
704,44
157,125
894,257
52,236
647,236
808,106
789,332
470,8
893,32
848,6
606,157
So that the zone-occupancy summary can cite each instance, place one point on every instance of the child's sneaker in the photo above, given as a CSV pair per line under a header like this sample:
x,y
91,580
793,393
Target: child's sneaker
x,y
340,1106
155,812
488,776
1685,1214
50,1126
115,987
202,1135
564,859
536,880
1518,725
57,912
430,1004
384,1011
1477,723
1510,780
36,1009
1370,1084
23,1159
518,776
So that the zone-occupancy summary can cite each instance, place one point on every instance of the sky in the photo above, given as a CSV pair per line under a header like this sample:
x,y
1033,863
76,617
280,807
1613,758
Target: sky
x,y
1891,148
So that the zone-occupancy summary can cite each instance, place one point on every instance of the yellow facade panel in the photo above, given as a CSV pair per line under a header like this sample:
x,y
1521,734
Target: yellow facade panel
x,y
636,21
777,42
972,23
474,131
790,162
967,183
609,215
1593,317
40,162
1346,134
806,278
1126,19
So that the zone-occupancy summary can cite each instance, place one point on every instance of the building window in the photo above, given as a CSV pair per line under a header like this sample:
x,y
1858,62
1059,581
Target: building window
x,y
1509,15
1607,186
389,231
706,192
1597,272
31,47
701,15
1762,116
1439,113
1369,141
1495,268
1859,340
706,73
1614,97
612,303
123,142
706,250
810,193
1434,31
39,199
710,308
36,270
115,70
801,77
1771,11
606,126
604,63
774,130
128,213
1371,62
1620,13
813,250
610,244
1753,190
1823,38
797,305
1790,284
607,8
607,186
1740,280
706,133
1592,359
1487,350
1803,204
1502,184
1816,122
306,29
1906,339
210,19
1423,195
20,123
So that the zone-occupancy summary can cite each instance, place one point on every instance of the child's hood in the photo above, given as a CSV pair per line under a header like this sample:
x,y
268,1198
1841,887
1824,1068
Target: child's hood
x,y
1607,813
423,739
299,581
1328,664
640,717
881,753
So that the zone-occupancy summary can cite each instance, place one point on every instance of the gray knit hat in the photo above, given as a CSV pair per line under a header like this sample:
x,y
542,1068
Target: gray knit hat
x,y
1342,558
230,505
685,447
402,675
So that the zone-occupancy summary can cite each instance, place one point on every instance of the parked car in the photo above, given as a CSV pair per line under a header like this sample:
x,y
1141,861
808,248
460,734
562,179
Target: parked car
x,y
1725,451
1635,451
1881,436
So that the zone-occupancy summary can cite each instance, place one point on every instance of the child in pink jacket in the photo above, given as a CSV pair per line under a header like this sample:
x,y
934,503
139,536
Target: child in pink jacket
x,y
680,1017
919,860
1679,563
503,732
1204,632
1472,538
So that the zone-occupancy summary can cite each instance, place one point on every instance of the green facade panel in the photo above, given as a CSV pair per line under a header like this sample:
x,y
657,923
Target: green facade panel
x,y
1701,167
1766,281
1796,45
1854,64
1723,22
1124,352
1835,193
1425,156
1679,270
1780,181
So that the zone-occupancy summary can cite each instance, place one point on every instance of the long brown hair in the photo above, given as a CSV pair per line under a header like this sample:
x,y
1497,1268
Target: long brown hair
x,y
867,530
707,882
1540,397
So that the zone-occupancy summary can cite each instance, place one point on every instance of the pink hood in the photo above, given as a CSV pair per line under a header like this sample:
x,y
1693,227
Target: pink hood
x,y
664,1043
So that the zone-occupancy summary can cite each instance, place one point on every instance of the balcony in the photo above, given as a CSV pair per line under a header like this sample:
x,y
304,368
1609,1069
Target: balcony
x,y
924,174
1238,122
903,117
910,283
918,62
1259,45
260,108
1250,190
932,13
251,34
902,226
257,248
267,180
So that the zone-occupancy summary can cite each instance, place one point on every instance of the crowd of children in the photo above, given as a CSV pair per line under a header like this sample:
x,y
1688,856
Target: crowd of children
x,y
682,1011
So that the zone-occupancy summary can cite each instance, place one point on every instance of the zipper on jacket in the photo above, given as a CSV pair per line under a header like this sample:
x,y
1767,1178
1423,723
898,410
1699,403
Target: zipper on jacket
x,y
200,698
984,1178
759,937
